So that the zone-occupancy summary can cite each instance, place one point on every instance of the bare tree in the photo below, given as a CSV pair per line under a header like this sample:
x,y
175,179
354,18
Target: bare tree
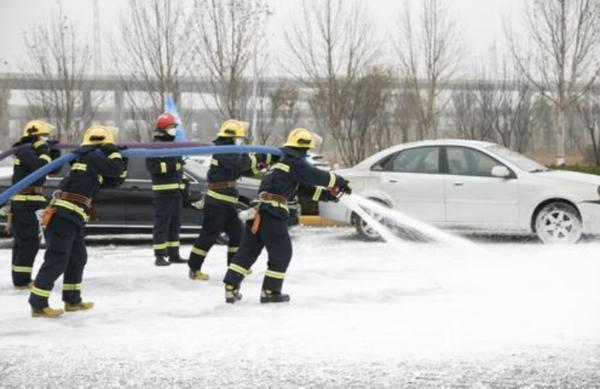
x,y
61,60
4,114
153,55
561,61
228,34
588,109
428,51
277,114
332,47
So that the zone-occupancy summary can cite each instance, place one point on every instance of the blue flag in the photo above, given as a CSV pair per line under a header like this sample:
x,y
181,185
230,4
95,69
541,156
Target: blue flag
x,y
172,109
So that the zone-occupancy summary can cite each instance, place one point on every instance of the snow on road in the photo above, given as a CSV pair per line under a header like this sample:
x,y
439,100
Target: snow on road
x,y
361,315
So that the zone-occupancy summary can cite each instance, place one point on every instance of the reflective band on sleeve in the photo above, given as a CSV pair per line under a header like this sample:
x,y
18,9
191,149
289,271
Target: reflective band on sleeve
x,y
173,243
29,198
163,167
238,269
37,144
40,292
45,158
254,165
317,194
22,269
168,187
160,246
222,197
115,155
214,162
79,166
232,249
17,161
71,207
178,166
100,179
281,166
123,175
275,274
71,287
331,180
198,251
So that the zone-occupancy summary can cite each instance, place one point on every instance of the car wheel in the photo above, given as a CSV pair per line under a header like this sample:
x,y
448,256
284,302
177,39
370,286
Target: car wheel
x,y
558,223
364,230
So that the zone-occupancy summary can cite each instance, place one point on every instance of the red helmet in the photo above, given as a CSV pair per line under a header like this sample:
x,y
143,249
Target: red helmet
x,y
165,120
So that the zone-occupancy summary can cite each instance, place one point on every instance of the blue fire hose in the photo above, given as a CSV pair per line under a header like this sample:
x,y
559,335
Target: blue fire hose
x,y
136,153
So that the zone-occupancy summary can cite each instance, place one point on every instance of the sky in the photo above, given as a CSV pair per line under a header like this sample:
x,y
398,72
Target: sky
x,y
481,21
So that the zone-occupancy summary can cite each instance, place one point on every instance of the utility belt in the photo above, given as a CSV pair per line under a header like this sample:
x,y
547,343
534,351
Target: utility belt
x,y
74,198
31,193
32,190
222,185
76,203
272,199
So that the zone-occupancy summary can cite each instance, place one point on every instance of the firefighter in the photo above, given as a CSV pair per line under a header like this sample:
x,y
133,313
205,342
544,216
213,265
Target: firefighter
x,y
220,205
99,165
24,206
168,187
290,176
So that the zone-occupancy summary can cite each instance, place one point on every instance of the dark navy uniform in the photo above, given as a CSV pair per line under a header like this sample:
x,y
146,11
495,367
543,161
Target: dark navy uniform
x,y
168,187
291,176
25,224
97,167
220,206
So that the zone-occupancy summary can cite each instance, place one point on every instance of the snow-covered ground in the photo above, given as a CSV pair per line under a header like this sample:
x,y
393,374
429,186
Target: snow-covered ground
x,y
362,315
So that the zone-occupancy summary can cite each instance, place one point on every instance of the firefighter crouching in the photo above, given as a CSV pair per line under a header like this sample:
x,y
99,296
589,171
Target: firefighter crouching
x,y
220,205
167,188
290,176
99,165
25,205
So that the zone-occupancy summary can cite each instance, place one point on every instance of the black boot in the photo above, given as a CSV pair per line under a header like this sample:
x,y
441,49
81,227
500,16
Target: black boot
x,y
273,296
232,294
161,261
177,259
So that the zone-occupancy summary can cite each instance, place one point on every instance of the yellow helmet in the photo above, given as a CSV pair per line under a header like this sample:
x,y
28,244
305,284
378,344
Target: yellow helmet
x,y
37,128
301,138
233,129
98,135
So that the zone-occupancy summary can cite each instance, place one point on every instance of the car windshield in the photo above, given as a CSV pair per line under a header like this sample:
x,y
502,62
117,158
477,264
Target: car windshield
x,y
198,168
518,159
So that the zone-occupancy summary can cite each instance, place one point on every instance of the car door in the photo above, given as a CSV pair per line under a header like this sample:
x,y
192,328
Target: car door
x,y
413,180
475,198
136,195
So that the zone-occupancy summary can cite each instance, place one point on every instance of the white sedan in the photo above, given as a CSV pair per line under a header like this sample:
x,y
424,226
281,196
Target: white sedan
x,y
474,187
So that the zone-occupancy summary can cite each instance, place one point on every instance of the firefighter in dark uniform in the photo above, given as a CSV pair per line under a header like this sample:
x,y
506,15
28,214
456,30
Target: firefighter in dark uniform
x,y
168,187
25,205
290,176
99,165
220,205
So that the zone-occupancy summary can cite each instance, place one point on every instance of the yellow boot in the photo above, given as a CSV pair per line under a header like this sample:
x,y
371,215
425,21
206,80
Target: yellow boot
x,y
82,306
198,275
25,287
47,312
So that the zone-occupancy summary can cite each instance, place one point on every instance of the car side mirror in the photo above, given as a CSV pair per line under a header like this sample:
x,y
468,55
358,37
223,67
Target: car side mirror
x,y
500,172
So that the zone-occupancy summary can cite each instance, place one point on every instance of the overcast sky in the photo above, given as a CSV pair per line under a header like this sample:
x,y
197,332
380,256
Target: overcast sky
x,y
480,20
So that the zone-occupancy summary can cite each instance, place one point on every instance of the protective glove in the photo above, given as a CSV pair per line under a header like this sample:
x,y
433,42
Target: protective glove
x,y
330,195
343,185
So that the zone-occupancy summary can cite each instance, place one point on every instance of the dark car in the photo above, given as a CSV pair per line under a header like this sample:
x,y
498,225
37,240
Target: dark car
x,y
128,208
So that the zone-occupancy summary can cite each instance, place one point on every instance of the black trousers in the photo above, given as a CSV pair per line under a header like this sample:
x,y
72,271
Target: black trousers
x,y
167,224
26,231
65,254
272,234
218,218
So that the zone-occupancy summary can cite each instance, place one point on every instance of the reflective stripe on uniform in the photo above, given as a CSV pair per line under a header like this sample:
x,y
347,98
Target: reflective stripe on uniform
x,y
275,274
115,155
168,187
222,197
40,292
100,179
317,194
79,166
163,167
29,198
238,269
71,287
282,167
254,165
71,207
214,162
177,166
123,175
269,159
331,180
37,144
17,161
173,243
232,249
274,204
198,251
45,158
159,246
22,269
